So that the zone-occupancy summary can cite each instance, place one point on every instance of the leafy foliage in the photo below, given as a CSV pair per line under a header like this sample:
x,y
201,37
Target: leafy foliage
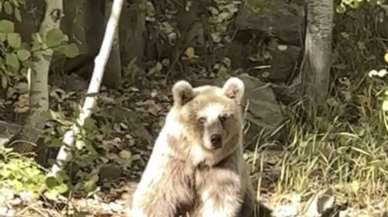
x,y
23,174
12,7
257,5
84,153
56,186
20,173
14,56
56,40
344,5
17,56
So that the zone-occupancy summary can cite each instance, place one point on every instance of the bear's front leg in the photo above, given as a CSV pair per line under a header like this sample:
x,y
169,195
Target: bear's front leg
x,y
163,189
221,194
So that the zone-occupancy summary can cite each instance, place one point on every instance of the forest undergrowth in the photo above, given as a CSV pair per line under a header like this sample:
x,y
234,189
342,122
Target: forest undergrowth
x,y
340,149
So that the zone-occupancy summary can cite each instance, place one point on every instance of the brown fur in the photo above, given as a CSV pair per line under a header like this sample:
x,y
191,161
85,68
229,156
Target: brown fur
x,y
186,175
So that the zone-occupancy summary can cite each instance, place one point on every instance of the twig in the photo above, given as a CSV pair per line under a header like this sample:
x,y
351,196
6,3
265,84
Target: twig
x,y
22,141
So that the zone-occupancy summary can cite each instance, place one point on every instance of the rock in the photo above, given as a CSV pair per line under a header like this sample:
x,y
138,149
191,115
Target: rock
x,y
236,52
264,111
6,195
6,212
110,172
8,132
279,21
321,204
288,210
284,20
26,197
283,62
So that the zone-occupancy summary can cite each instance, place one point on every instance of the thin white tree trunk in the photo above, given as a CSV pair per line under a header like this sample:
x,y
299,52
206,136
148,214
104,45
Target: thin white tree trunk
x,y
38,77
100,61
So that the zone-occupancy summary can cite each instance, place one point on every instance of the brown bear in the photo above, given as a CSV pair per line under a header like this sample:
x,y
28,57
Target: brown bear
x,y
197,168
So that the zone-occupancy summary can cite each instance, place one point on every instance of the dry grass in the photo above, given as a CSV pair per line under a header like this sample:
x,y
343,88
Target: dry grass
x,y
344,147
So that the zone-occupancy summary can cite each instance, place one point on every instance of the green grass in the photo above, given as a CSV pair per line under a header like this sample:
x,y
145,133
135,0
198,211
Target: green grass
x,y
343,147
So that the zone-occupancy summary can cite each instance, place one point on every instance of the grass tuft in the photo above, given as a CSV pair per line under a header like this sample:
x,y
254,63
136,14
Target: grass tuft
x,y
343,147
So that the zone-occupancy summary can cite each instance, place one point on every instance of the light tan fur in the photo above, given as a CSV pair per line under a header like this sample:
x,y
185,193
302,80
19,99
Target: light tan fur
x,y
196,167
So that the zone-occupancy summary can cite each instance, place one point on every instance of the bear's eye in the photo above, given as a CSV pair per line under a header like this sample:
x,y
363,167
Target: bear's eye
x,y
223,118
202,120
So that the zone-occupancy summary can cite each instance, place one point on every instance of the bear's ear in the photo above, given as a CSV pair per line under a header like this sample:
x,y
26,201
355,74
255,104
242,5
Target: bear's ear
x,y
182,92
234,88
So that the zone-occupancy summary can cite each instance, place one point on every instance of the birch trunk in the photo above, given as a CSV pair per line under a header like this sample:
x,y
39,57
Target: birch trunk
x,y
100,61
317,57
38,78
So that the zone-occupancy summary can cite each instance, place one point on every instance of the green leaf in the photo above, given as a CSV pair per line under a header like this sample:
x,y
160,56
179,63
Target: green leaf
x,y
51,194
11,60
80,144
18,15
37,39
8,8
23,54
4,81
385,105
17,3
55,37
125,155
55,186
190,52
3,37
62,188
70,50
51,182
14,40
7,26
91,184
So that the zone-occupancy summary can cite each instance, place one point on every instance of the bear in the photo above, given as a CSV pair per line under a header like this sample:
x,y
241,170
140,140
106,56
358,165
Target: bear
x,y
196,167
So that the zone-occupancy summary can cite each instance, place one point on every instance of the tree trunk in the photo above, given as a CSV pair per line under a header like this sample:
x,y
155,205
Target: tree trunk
x,y
85,24
38,79
132,32
317,56
113,76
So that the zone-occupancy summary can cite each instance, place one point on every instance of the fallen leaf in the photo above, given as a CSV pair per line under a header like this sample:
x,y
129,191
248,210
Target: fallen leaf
x,y
190,53
125,155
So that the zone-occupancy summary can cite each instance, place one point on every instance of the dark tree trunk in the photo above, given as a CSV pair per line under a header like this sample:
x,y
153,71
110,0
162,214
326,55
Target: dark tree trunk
x,y
317,57
132,32
112,76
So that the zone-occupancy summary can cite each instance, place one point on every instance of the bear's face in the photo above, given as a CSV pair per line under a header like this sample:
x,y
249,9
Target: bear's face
x,y
212,118
210,115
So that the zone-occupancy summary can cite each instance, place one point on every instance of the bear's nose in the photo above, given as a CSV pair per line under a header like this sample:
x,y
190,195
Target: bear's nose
x,y
216,141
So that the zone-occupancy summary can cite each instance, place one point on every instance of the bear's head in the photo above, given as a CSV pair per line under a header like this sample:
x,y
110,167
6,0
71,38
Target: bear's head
x,y
209,123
